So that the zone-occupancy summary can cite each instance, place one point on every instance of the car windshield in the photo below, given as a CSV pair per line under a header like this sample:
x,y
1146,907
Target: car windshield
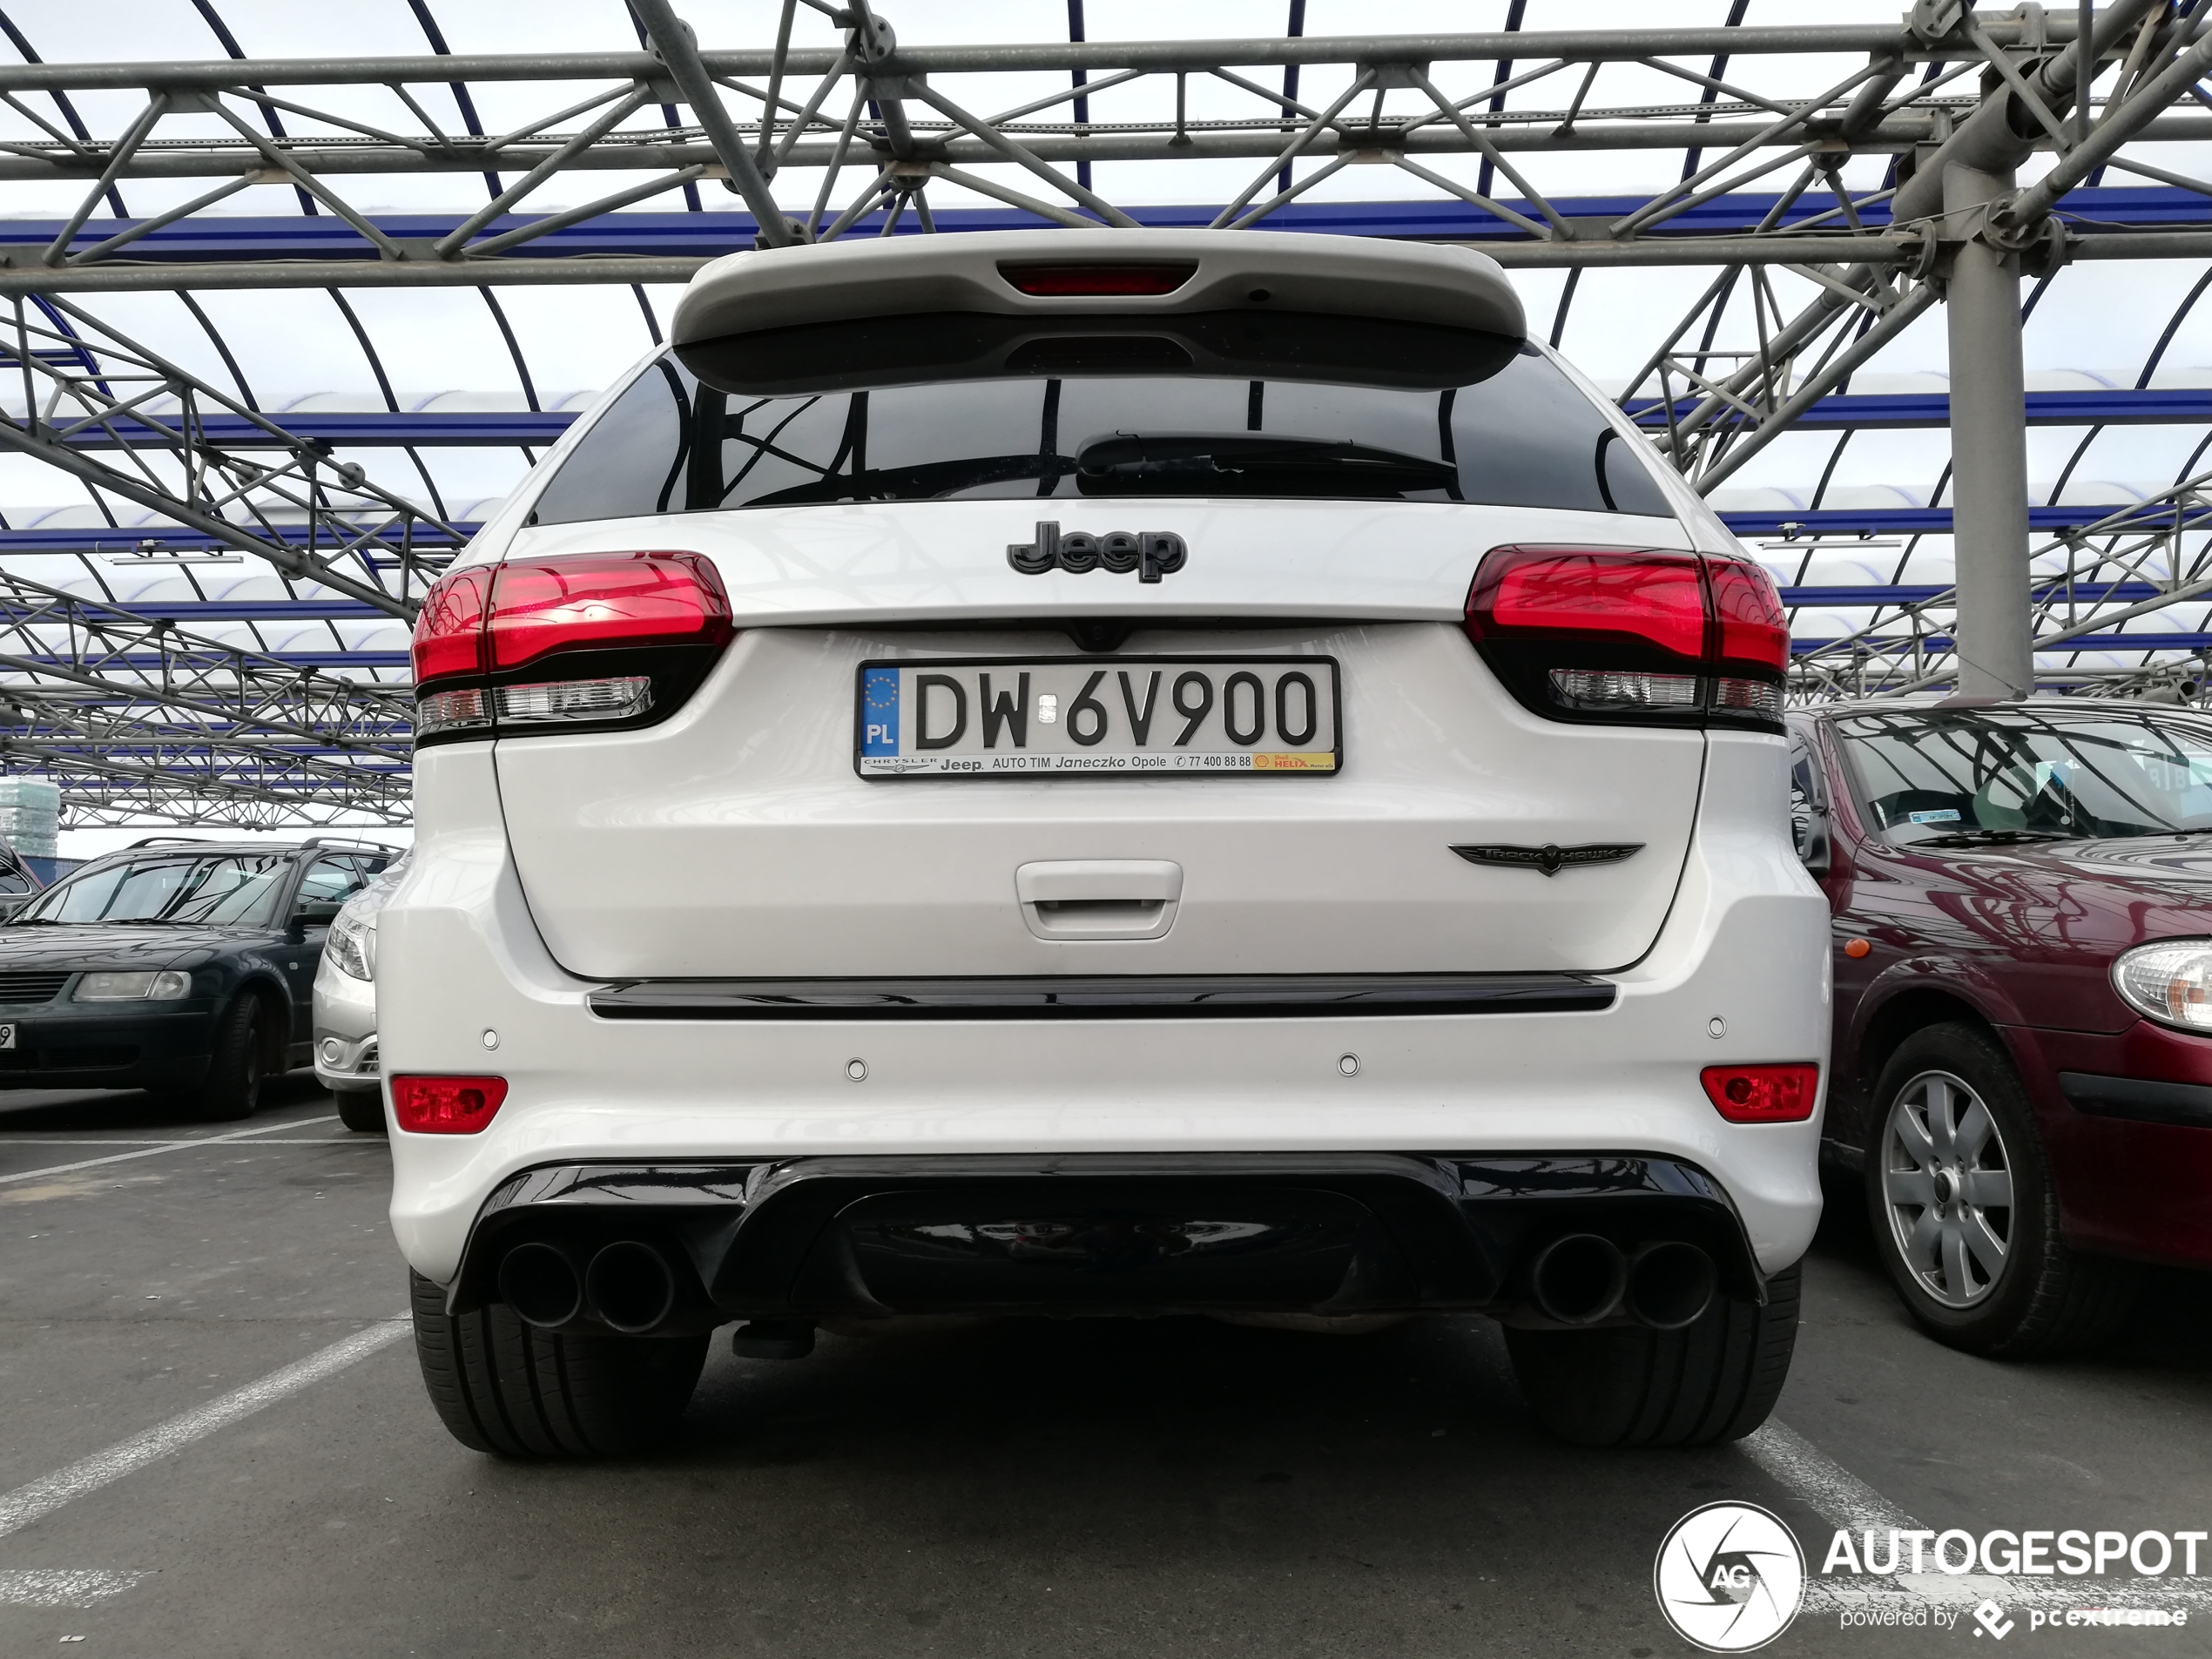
x,y
1952,776
232,889
1517,433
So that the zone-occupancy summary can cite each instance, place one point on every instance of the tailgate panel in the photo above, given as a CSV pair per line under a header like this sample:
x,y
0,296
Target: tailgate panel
x,y
736,839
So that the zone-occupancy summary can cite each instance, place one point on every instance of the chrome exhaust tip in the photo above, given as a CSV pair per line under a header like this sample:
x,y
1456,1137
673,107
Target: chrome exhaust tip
x,y
540,1283
1671,1285
631,1287
1579,1279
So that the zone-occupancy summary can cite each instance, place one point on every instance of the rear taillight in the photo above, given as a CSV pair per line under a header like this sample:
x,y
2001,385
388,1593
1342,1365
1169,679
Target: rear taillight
x,y
1626,634
446,1105
1763,1094
590,640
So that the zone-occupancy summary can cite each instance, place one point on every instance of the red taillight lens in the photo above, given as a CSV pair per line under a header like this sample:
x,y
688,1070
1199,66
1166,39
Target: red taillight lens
x,y
1649,636
1097,280
1754,627
652,624
449,630
597,601
1653,597
1763,1094
446,1105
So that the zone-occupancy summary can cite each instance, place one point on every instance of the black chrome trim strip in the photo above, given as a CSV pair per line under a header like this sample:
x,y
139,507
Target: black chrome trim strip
x,y
2139,1099
1253,996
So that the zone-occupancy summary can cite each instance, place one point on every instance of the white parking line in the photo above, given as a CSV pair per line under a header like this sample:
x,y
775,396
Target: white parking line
x,y
166,1146
43,1496
1822,1484
1847,1503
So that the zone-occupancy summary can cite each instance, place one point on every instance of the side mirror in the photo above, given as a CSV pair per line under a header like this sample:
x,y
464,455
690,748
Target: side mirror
x,y
315,913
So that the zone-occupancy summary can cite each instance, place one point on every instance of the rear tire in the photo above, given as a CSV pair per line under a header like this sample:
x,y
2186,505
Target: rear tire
x,y
238,1067
510,1389
1716,1380
361,1109
1949,1102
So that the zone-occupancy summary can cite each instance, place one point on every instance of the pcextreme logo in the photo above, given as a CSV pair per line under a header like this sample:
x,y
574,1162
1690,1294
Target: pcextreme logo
x,y
1729,1577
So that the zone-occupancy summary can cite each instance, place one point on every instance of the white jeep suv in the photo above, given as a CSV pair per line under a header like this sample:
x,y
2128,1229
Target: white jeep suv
x,y
1128,772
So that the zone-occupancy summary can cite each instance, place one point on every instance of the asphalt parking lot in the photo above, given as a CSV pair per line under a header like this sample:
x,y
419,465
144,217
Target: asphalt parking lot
x,y
1083,1488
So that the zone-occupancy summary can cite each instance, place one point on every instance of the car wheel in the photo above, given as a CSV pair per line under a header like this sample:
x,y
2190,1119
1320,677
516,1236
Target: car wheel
x,y
510,1389
361,1109
1963,1212
235,1070
1716,1380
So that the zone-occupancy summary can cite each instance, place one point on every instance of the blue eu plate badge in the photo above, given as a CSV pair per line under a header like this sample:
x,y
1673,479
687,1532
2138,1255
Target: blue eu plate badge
x,y
880,712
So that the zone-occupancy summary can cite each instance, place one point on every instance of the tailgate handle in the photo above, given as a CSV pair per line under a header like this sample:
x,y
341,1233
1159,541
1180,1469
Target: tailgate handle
x,y
1076,899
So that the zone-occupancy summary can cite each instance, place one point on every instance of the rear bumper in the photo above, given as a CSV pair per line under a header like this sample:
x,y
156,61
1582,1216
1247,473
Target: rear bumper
x,y
1739,975
1329,1234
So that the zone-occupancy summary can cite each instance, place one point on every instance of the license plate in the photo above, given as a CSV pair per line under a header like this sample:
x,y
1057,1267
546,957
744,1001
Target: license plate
x,y
7,1036
1070,717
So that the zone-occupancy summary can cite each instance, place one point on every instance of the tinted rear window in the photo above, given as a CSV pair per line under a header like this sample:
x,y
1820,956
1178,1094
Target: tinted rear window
x,y
1519,434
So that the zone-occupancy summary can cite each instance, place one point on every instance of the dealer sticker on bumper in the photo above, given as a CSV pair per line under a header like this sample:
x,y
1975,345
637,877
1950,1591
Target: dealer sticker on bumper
x,y
1075,716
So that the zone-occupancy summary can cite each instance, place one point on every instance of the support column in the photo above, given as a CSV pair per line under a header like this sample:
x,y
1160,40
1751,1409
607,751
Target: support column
x,y
1988,448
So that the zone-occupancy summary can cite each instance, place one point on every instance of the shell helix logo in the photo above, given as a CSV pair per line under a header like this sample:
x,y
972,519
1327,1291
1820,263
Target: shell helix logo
x,y
1151,553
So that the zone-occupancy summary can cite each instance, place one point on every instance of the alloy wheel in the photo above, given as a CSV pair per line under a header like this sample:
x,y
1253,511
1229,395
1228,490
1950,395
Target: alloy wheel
x,y
1948,1189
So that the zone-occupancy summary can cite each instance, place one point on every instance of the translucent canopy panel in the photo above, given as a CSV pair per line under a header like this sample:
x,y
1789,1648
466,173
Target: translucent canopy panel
x,y
294,295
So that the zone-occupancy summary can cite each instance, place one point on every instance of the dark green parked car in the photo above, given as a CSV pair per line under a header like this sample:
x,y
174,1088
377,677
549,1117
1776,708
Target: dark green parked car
x,y
183,967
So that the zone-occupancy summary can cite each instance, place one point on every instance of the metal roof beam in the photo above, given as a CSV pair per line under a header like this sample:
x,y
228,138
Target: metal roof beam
x,y
1576,45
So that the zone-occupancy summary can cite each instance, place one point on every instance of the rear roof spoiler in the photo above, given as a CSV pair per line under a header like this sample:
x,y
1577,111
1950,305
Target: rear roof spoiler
x,y
1202,271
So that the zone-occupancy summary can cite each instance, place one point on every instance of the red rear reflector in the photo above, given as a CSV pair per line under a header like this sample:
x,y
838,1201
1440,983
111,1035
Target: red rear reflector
x,y
1763,1094
1655,597
450,629
597,601
1754,627
1100,280
446,1105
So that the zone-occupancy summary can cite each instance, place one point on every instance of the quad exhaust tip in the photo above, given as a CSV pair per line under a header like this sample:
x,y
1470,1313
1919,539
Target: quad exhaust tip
x,y
1671,1285
541,1283
627,1285
1579,1279
631,1287
1582,1278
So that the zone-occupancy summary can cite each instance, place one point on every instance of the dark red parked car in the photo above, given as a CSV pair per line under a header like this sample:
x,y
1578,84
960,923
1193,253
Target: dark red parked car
x,y
2023,895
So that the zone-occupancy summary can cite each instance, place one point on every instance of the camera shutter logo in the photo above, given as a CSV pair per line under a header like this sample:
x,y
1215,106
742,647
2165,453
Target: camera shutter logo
x,y
1729,1577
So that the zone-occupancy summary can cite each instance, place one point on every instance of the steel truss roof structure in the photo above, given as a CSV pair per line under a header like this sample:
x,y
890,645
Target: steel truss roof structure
x,y
838,128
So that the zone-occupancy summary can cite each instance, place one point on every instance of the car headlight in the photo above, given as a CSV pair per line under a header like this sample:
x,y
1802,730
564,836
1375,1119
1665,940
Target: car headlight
x,y
351,946
165,987
2171,981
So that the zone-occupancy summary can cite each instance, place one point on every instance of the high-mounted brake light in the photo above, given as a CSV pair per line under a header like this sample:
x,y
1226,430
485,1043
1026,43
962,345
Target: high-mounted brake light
x,y
1100,281
1763,1094
446,1105
1644,634
635,630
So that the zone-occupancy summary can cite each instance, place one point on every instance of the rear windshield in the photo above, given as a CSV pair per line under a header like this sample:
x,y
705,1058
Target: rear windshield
x,y
235,890
1519,434
1939,777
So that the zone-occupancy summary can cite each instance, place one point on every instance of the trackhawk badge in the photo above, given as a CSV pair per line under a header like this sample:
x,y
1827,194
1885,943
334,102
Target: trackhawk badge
x,y
1151,553
1550,858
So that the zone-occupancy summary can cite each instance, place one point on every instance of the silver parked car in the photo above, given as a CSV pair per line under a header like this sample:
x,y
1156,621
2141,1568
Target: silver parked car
x,y
345,1011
